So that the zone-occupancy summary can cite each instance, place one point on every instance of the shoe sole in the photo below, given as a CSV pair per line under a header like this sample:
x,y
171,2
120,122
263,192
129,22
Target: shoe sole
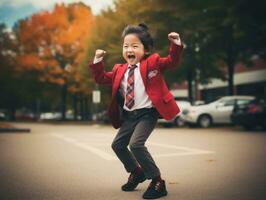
x,y
141,181
162,195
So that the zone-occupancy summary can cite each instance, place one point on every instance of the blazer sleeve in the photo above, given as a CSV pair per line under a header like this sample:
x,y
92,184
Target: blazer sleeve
x,y
100,76
173,58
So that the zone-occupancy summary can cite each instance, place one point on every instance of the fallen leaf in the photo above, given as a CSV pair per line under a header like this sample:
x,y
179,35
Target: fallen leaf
x,y
173,183
210,160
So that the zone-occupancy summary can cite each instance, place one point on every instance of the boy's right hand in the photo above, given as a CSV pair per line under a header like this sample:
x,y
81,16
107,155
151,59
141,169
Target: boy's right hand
x,y
99,53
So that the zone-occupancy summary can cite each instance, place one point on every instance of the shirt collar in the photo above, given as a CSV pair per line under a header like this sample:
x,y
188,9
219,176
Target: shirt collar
x,y
138,64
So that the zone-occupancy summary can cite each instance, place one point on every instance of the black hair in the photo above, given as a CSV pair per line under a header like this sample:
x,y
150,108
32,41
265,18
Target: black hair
x,y
142,31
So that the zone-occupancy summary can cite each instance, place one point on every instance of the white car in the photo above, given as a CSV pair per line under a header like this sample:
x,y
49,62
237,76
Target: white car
x,y
2,116
216,112
58,116
178,120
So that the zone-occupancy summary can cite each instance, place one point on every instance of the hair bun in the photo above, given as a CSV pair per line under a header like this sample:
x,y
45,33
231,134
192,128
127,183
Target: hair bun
x,y
144,26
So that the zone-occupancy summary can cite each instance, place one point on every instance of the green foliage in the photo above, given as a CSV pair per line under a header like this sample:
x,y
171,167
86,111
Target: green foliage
x,y
215,33
9,96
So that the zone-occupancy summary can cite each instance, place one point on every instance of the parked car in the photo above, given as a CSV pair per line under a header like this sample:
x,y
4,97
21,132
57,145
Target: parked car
x,y
178,120
2,116
216,112
50,116
58,116
25,115
101,117
250,115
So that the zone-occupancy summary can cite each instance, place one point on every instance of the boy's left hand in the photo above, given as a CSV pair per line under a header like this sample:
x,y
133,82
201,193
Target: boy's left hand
x,y
174,37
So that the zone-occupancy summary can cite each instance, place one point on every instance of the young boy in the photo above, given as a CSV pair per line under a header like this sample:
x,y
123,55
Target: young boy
x,y
139,95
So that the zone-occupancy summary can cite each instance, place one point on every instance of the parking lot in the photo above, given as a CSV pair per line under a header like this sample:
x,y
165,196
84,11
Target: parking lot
x,y
60,161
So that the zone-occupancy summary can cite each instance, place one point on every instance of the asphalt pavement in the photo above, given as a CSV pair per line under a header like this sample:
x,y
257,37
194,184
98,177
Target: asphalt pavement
x,y
70,161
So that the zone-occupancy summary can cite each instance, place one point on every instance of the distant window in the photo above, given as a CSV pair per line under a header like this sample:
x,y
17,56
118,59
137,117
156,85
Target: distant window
x,y
243,101
230,102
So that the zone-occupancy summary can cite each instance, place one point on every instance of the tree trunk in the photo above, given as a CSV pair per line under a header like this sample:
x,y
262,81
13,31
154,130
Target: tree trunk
x,y
63,101
12,111
81,106
86,108
190,86
231,79
75,106
231,57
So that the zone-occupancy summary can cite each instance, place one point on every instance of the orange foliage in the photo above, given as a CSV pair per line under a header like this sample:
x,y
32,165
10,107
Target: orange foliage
x,y
52,40
29,62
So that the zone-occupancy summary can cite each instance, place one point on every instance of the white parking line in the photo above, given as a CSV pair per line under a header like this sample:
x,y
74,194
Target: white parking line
x,y
185,151
94,150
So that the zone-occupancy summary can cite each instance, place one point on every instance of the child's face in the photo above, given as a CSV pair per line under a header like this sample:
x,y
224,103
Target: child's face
x,y
133,49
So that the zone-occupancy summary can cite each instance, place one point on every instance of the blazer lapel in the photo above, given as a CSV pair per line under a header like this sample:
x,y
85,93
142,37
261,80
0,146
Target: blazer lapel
x,y
143,71
119,75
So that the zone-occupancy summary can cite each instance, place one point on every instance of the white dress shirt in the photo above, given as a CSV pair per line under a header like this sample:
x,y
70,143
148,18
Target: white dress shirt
x,y
141,98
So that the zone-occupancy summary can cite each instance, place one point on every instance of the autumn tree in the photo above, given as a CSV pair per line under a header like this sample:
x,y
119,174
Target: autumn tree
x,y
52,45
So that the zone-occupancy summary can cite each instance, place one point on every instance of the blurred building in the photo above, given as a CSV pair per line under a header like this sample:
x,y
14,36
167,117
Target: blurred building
x,y
180,90
247,81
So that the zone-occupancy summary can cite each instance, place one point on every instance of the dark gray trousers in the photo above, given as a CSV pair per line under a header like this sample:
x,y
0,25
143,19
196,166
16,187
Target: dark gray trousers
x,y
134,132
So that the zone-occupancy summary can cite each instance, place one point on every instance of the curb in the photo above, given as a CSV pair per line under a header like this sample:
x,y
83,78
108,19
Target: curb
x,y
14,130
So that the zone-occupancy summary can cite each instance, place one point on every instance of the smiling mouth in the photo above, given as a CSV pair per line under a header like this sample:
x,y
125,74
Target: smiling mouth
x,y
131,57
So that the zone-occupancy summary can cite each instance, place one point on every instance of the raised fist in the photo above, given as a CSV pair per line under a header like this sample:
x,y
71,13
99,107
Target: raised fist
x,y
99,53
173,36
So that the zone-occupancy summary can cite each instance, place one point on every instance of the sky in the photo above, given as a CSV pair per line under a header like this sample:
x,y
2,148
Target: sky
x,y
13,10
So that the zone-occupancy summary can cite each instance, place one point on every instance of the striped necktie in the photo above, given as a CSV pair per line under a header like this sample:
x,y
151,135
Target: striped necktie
x,y
130,87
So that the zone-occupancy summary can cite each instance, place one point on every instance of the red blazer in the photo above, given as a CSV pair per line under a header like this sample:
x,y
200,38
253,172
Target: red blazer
x,y
151,69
